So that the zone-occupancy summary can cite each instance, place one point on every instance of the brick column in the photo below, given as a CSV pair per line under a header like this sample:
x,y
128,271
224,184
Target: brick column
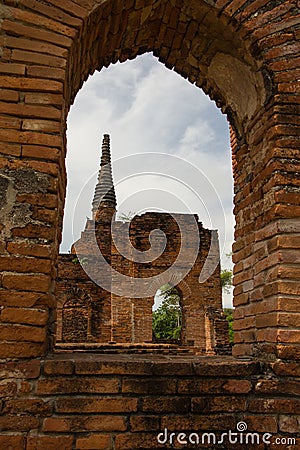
x,y
266,251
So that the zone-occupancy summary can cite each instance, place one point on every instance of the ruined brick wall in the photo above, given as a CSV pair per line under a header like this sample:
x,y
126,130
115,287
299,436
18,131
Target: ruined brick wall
x,y
195,296
245,56
185,255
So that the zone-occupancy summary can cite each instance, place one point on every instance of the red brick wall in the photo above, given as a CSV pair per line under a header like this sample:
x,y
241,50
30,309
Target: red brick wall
x,y
245,56
94,402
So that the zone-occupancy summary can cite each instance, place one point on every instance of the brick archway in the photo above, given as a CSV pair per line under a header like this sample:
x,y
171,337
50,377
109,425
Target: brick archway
x,y
236,52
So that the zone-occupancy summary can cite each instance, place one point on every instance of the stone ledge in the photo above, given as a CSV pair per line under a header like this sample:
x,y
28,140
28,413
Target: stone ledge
x,y
149,364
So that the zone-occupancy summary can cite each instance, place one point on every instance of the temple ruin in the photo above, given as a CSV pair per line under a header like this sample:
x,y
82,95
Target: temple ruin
x,y
97,303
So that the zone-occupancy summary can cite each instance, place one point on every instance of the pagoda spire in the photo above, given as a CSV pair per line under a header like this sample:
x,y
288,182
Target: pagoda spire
x,y
104,195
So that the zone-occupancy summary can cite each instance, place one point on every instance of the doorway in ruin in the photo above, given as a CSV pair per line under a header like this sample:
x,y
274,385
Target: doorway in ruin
x,y
167,315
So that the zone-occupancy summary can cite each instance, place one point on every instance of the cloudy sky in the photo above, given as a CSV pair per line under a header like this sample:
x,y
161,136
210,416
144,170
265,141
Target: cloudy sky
x,y
169,144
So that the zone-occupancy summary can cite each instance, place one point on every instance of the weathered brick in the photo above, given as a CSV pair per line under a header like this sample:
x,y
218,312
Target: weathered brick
x,y
282,368
45,215
161,405
35,283
275,27
110,368
78,385
35,46
8,389
27,369
228,404
129,441
10,122
26,137
68,6
234,6
9,96
22,109
34,231
14,424
17,69
83,423
29,248
10,442
244,324
19,29
237,386
28,406
291,387
250,9
289,336
58,367
24,316
168,368
289,424
30,84
213,385
43,98
52,12
274,405
94,442
281,51
93,405
40,152
21,264
198,422
52,73
38,58
40,125
261,423
229,368
55,424
22,333
149,386
144,423
10,149
288,351
49,443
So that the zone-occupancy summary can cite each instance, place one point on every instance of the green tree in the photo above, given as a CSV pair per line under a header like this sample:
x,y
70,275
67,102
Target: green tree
x,y
167,319
226,283
229,316
226,280
226,277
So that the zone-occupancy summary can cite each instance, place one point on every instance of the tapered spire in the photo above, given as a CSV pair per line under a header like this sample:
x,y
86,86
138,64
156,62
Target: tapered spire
x,y
104,195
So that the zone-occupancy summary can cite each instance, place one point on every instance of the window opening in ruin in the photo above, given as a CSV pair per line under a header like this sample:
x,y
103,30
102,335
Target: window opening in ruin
x,y
167,315
74,315
75,322
146,108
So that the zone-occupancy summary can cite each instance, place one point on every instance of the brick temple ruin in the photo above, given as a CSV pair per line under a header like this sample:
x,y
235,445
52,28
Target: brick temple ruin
x,y
89,313
245,56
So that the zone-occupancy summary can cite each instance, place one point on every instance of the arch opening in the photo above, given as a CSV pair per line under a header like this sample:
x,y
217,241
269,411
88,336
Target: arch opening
x,y
167,316
203,43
